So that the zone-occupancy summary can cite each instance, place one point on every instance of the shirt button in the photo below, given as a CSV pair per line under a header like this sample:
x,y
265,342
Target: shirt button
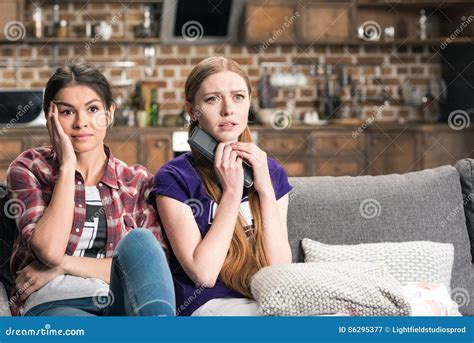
x,y
77,229
79,182
100,184
111,244
80,205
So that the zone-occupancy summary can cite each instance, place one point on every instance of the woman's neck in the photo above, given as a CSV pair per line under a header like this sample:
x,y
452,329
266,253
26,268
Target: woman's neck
x,y
92,165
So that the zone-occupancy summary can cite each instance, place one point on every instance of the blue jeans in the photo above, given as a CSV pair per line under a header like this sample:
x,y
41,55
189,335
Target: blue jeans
x,y
140,284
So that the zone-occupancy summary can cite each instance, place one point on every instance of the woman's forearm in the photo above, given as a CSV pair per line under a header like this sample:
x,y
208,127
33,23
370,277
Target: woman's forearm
x,y
275,234
51,234
211,252
87,267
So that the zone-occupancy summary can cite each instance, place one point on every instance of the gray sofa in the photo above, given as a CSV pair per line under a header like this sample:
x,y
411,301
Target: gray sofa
x,y
424,205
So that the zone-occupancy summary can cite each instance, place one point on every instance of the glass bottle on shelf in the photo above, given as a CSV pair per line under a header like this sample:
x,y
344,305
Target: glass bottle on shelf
x,y
154,111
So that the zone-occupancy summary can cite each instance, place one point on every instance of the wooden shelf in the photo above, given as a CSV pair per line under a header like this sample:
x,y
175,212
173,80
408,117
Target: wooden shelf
x,y
411,3
65,41
155,41
102,1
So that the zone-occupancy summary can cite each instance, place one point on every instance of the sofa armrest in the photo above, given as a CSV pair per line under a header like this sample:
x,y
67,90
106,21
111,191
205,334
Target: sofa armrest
x,y
4,304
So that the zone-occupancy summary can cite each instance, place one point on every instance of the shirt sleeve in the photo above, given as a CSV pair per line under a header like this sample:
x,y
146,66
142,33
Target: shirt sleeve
x,y
26,205
147,216
279,179
171,183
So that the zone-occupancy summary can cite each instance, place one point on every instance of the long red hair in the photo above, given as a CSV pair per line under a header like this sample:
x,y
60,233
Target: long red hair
x,y
246,254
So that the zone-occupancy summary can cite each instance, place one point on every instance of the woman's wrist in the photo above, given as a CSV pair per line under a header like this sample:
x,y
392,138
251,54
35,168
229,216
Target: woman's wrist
x,y
67,169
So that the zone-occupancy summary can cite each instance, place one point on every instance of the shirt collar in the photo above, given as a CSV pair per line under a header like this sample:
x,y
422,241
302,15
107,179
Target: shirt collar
x,y
110,174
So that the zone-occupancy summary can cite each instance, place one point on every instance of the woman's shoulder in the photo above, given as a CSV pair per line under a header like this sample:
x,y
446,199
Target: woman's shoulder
x,y
274,166
179,166
132,175
41,158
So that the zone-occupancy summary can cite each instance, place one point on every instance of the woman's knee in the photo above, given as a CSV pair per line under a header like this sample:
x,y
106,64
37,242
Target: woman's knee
x,y
139,241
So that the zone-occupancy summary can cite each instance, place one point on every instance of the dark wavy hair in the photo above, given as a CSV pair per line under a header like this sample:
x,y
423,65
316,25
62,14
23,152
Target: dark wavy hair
x,y
80,74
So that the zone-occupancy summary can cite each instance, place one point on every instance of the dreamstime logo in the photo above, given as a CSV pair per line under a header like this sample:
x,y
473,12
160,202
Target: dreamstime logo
x,y
197,112
280,120
103,301
458,209
192,30
370,208
193,209
14,30
377,111
21,111
102,120
459,120
464,24
14,208
286,24
460,296
370,31
104,30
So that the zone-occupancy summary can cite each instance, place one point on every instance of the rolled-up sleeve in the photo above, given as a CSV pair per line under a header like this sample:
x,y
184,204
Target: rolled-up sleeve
x,y
148,217
26,204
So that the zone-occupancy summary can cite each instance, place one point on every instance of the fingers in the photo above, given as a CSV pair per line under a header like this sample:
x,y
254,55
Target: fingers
x,y
218,154
226,156
247,157
59,128
32,287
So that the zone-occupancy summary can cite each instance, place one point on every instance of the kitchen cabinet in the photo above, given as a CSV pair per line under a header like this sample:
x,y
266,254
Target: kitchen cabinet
x,y
392,152
265,22
322,21
337,22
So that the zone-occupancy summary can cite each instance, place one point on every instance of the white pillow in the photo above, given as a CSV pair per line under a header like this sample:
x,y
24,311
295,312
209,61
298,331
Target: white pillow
x,y
308,289
406,261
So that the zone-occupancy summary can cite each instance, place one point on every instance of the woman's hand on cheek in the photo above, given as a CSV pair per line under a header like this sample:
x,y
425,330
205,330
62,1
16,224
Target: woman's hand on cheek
x,y
61,142
257,159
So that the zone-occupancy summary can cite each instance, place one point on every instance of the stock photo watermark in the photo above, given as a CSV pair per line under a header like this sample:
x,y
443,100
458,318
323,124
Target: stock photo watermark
x,y
370,208
14,31
459,120
287,23
192,31
466,21
22,110
377,112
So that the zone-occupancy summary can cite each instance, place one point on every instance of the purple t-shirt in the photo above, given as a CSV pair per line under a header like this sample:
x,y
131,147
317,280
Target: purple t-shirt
x,y
178,179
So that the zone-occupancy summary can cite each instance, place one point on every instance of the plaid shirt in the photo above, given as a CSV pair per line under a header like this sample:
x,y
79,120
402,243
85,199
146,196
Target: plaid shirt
x,y
124,192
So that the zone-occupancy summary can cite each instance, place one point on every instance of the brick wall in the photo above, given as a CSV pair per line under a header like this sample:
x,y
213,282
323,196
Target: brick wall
x,y
393,64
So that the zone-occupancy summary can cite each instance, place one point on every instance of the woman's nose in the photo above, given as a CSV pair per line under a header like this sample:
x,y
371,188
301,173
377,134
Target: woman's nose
x,y
81,120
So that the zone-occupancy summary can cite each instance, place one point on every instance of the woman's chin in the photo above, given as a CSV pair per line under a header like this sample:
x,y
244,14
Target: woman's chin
x,y
227,136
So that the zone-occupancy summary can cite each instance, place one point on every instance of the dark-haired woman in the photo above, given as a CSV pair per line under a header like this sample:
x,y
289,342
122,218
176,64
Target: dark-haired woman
x,y
87,243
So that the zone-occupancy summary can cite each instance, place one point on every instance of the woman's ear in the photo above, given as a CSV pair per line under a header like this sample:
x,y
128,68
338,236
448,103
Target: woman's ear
x,y
188,107
111,115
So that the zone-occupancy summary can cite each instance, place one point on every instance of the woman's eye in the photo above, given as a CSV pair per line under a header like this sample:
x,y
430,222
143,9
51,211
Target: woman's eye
x,y
66,112
212,100
93,109
239,97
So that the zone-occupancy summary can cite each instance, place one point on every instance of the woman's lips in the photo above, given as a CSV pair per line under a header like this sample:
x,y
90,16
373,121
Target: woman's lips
x,y
228,127
81,137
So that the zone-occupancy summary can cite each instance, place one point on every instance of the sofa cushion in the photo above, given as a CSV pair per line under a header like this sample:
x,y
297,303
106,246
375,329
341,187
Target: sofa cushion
x,y
465,169
7,233
306,289
406,261
386,208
